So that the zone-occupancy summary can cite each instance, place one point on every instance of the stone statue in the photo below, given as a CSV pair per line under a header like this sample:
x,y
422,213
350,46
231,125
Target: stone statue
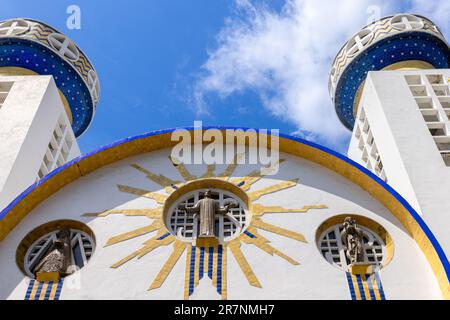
x,y
208,208
58,257
353,241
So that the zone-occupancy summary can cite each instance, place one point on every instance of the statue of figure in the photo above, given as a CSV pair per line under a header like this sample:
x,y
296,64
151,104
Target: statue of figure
x,y
208,208
59,255
353,241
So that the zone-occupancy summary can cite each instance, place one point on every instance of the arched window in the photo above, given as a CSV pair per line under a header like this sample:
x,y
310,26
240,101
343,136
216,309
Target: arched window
x,y
332,249
82,247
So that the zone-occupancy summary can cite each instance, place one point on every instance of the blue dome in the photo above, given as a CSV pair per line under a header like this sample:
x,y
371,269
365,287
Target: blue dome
x,y
383,50
37,50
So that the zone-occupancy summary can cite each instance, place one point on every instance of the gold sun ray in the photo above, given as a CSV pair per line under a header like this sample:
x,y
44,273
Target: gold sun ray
x,y
258,223
235,247
209,171
178,249
149,213
225,175
255,195
254,176
164,238
156,225
259,209
182,169
149,245
162,180
263,243
159,198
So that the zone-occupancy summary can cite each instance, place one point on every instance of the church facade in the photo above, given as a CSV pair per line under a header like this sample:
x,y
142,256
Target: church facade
x,y
136,220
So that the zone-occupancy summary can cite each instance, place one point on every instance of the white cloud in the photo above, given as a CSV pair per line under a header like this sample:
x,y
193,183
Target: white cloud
x,y
285,58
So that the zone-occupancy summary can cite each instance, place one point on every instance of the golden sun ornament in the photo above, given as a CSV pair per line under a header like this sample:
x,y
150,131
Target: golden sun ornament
x,y
205,256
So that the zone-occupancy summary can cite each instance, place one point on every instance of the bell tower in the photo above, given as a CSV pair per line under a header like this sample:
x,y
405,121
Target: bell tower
x,y
48,94
390,86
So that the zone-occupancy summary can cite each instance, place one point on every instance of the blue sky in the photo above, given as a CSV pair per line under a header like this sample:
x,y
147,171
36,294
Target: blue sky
x,y
166,63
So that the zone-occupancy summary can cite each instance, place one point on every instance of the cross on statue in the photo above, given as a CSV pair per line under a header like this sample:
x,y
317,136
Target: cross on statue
x,y
207,209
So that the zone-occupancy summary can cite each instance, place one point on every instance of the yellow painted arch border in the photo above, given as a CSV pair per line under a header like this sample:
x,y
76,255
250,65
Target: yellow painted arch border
x,y
54,181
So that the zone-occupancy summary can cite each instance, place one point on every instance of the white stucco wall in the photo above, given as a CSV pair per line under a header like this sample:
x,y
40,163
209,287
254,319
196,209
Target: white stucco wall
x,y
408,276
27,120
412,162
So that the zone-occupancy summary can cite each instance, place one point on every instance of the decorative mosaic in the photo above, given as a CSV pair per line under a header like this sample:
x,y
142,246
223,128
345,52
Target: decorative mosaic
x,y
365,286
44,290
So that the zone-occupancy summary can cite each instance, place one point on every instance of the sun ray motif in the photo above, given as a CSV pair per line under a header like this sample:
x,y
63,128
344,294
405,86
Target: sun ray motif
x,y
161,239
252,237
209,171
235,247
206,256
255,195
259,209
159,198
258,223
149,213
231,167
178,249
156,225
168,184
182,169
254,176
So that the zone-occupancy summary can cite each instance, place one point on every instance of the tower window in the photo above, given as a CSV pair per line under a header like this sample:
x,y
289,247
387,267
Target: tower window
x,y
435,78
425,103
441,90
5,87
430,115
436,129
445,103
419,90
413,79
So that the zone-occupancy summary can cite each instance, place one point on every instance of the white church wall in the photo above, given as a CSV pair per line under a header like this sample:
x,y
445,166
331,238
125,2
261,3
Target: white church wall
x,y
408,276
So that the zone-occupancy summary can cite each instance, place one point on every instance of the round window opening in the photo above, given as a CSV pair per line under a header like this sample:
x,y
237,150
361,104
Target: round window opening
x,y
207,213
61,248
354,240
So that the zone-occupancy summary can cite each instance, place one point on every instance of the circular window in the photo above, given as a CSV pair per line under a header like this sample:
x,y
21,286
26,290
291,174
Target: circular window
x,y
229,220
406,22
375,243
14,27
62,246
64,46
359,42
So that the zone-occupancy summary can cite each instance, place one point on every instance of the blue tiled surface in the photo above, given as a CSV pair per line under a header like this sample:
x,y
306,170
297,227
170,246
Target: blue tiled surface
x,y
400,47
36,57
